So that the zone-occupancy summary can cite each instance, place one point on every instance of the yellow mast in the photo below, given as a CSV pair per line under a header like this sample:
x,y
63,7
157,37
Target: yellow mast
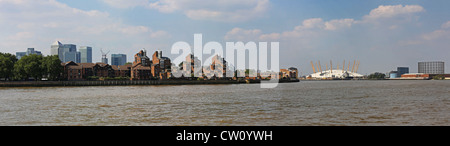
x,y
312,64
320,67
357,67
348,67
353,68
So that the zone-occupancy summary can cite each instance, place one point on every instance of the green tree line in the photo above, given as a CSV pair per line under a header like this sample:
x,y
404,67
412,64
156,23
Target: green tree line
x,y
376,76
30,66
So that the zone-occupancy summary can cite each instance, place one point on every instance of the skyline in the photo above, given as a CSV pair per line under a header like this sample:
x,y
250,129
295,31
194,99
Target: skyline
x,y
383,35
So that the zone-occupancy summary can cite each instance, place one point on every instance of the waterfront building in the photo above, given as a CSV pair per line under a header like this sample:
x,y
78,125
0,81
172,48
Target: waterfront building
x,y
293,72
28,52
85,54
434,67
394,74
192,63
161,66
82,71
401,71
217,69
142,67
346,72
118,59
122,70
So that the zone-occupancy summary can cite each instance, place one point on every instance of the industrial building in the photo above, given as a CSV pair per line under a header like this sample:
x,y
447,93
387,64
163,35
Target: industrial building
x,y
337,73
400,71
433,67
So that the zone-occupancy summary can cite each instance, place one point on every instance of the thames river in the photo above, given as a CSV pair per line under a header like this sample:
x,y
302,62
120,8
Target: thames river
x,y
304,103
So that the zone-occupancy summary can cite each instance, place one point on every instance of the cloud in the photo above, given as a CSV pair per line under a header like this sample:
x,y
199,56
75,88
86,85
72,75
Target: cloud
x,y
339,24
382,17
38,23
240,34
382,30
390,11
442,33
124,4
446,25
217,10
309,28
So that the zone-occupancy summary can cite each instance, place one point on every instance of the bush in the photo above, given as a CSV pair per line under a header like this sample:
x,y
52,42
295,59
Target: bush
x,y
439,77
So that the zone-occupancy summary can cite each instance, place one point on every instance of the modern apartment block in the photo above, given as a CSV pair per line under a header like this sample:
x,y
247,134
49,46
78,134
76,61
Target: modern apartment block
x,y
434,67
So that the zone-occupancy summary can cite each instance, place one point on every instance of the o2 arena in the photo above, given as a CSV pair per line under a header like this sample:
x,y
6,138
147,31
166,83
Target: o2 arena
x,y
330,73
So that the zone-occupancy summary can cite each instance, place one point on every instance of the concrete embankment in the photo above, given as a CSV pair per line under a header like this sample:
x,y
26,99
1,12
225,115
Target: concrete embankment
x,y
124,83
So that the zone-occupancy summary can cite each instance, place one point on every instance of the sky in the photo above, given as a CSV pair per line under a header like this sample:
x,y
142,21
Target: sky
x,y
381,34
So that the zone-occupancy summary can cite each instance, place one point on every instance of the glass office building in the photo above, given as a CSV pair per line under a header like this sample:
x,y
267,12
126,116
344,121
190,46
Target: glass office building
x,y
118,59
65,52
28,52
85,54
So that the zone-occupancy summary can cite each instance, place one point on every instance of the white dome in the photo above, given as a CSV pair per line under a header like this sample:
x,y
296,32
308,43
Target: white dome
x,y
335,74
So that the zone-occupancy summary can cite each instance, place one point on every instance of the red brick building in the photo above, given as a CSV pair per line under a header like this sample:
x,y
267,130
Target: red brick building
x,y
81,71
161,66
141,68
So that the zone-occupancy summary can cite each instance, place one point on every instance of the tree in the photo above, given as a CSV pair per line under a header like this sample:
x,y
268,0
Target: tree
x,y
52,67
29,66
376,76
439,77
7,62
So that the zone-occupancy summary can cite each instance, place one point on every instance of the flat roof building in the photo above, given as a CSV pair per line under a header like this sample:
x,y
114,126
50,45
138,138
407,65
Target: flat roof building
x,y
433,67
118,59
85,54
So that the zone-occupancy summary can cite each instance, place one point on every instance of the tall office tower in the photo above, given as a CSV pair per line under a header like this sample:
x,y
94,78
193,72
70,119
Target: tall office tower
x,y
118,59
434,67
85,54
65,52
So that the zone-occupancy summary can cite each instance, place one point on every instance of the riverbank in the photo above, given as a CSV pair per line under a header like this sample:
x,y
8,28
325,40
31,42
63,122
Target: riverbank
x,y
127,82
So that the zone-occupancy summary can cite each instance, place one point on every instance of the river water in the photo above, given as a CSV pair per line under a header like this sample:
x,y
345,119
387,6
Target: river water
x,y
304,103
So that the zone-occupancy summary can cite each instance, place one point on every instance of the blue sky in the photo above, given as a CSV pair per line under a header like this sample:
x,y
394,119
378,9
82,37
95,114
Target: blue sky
x,y
381,34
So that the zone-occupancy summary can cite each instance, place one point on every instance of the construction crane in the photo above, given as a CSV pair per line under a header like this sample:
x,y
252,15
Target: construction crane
x,y
104,58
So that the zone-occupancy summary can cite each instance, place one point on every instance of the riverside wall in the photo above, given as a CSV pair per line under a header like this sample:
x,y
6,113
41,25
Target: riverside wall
x,y
125,83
